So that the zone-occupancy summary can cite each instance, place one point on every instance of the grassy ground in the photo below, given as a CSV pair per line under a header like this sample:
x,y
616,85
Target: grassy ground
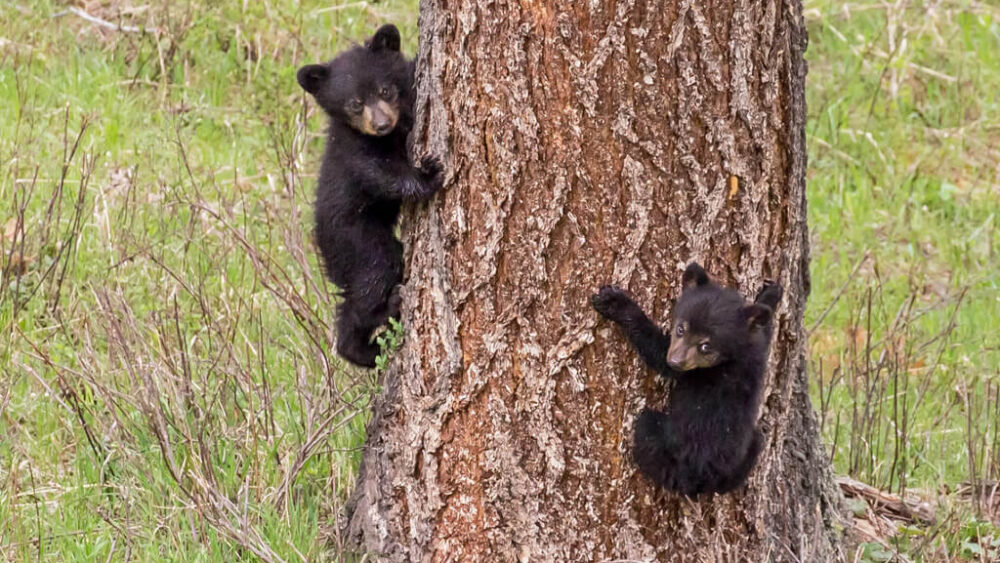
x,y
158,299
904,192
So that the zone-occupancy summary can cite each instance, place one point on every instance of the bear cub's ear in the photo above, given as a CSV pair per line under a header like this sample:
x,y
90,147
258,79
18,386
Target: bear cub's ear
x,y
311,77
387,37
758,315
694,275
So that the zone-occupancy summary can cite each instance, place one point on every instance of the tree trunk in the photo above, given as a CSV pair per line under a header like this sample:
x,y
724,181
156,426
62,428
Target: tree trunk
x,y
589,143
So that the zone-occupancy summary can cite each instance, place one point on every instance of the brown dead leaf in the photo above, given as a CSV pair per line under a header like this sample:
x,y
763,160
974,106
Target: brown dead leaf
x,y
244,185
20,263
10,229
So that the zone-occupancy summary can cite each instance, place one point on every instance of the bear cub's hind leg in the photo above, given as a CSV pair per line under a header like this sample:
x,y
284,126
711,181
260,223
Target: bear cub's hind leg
x,y
354,333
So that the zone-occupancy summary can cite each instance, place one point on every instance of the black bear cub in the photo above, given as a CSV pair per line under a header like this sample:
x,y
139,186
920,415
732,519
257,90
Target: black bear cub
x,y
716,354
367,92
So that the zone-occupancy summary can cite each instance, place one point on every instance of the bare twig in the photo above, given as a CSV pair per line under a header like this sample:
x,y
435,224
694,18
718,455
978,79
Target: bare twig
x,y
847,282
105,23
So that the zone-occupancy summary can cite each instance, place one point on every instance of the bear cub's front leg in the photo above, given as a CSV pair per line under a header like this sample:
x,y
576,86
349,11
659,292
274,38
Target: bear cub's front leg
x,y
648,340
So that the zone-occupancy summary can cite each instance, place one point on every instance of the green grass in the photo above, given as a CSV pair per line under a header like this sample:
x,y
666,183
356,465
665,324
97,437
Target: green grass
x,y
904,193
189,142
189,166
904,167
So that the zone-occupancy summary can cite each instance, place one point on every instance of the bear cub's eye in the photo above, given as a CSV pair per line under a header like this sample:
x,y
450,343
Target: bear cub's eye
x,y
704,348
387,94
355,106
680,330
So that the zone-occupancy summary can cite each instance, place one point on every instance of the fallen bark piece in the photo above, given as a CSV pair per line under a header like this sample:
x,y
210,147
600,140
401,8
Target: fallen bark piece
x,y
908,508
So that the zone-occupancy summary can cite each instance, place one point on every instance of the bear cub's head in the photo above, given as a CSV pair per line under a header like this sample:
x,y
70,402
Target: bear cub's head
x,y
713,325
367,86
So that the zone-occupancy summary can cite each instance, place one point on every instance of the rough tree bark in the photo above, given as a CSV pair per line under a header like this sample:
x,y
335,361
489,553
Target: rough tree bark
x,y
587,143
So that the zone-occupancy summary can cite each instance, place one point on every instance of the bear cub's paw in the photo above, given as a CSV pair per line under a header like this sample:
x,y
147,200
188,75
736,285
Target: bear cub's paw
x,y
613,303
770,294
394,303
432,172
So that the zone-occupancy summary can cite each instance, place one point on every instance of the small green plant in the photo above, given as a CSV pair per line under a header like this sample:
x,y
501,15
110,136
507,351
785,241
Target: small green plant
x,y
979,540
388,342
874,552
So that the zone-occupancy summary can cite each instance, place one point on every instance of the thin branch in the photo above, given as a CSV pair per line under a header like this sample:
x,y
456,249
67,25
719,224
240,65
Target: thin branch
x,y
105,23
